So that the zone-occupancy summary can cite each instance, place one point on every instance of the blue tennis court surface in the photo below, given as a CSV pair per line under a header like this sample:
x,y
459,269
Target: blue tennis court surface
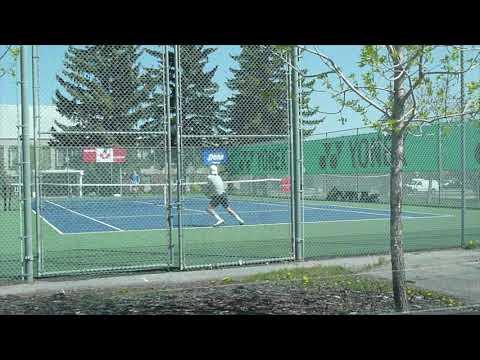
x,y
78,216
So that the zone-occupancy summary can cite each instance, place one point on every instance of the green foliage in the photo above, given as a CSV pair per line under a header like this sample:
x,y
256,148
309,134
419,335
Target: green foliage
x,y
9,69
201,112
259,102
471,244
101,89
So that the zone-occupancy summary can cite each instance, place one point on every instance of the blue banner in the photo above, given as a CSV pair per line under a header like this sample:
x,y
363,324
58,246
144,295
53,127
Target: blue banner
x,y
214,156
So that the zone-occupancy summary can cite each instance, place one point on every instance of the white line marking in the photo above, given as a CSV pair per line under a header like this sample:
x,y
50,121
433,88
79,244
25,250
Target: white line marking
x,y
250,225
315,204
146,202
202,213
50,224
356,207
348,211
88,217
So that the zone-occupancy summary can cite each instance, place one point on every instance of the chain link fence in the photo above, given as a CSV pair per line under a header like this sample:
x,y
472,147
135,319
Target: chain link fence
x,y
241,125
10,162
103,175
348,171
124,137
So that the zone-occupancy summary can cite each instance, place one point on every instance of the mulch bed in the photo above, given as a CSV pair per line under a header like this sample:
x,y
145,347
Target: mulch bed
x,y
283,297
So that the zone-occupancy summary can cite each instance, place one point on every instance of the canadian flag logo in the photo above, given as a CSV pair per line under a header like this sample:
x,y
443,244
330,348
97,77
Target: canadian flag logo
x,y
108,155
104,154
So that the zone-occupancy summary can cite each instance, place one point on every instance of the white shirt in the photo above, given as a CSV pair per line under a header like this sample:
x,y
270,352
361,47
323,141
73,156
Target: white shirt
x,y
216,183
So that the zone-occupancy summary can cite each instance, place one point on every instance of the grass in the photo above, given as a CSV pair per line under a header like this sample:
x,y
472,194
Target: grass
x,y
337,277
208,246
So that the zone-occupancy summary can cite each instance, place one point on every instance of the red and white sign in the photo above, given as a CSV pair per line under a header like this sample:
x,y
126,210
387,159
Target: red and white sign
x,y
105,155
285,185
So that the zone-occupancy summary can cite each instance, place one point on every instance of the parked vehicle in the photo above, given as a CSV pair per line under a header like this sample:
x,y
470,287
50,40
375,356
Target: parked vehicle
x,y
422,185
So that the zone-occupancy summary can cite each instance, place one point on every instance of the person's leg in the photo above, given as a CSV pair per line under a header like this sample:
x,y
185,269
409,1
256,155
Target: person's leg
x,y
226,205
211,211
235,215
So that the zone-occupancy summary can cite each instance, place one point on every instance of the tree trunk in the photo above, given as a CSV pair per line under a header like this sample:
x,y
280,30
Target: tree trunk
x,y
396,187
396,243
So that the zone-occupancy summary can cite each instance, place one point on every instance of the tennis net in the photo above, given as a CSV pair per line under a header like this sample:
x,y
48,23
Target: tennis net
x,y
157,193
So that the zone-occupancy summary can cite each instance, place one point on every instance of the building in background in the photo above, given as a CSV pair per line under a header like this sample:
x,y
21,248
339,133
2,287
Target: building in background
x,y
9,138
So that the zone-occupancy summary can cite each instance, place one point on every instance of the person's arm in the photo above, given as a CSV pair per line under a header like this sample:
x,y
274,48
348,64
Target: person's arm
x,y
208,188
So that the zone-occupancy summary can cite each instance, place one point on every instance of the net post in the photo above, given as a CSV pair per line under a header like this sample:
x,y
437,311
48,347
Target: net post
x,y
26,170
296,176
80,184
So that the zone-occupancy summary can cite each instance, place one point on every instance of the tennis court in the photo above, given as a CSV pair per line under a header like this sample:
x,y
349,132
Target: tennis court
x,y
111,233
77,216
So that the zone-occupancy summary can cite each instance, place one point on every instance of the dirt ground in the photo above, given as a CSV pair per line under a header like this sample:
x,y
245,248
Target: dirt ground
x,y
282,297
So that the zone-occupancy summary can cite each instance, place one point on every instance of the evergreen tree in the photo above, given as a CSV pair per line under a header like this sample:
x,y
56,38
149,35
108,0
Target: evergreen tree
x,y
103,91
259,105
200,110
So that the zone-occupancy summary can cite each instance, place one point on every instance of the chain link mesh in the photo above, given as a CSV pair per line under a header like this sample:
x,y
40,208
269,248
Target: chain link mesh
x,y
245,117
10,162
102,168
126,137
348,171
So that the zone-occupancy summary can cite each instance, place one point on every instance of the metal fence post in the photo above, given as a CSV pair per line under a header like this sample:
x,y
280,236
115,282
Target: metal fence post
x,y
290,153
440,162
26,169
36,156
169,152
356,169
178,122
296,176
462,105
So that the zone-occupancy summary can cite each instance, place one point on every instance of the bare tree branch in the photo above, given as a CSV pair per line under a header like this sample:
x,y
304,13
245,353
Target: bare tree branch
x,y
430,119
6,52
331,64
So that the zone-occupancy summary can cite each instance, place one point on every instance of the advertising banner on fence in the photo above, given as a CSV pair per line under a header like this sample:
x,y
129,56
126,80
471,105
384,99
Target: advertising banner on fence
x,y
214,156
104,155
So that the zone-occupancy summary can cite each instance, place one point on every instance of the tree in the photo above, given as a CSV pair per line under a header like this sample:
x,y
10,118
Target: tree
x,y
9,69
259,105
398,83
102,90
200,109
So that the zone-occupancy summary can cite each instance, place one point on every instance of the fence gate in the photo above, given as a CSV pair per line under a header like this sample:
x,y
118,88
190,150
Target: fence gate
x,y
237,120
102,161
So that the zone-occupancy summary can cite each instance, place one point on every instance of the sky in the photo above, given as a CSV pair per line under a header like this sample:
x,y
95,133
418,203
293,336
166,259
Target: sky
x,y
346,56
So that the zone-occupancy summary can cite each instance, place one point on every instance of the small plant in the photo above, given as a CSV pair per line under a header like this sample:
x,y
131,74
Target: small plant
x,y
472,244
227,280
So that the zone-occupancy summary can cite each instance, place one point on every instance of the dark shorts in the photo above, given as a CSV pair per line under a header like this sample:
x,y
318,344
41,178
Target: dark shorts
x,y
219,199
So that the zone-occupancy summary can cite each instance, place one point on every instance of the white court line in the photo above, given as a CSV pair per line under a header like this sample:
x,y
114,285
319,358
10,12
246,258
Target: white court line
x,y
48,223
146,202
250,225
88,217
326,209
388,210
202,213
346,209
317,204
352,211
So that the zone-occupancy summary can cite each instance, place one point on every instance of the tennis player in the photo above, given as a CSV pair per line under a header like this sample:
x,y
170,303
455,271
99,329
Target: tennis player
x,y
134,181
217,194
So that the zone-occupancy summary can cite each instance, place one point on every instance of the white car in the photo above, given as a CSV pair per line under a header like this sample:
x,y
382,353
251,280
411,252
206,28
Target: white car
x,y
422,185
